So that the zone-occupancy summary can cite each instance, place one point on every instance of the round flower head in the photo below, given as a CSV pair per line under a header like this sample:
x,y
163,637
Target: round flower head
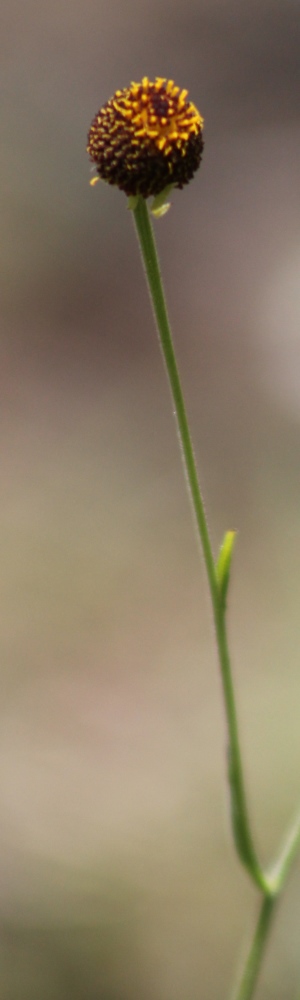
x,y
147,137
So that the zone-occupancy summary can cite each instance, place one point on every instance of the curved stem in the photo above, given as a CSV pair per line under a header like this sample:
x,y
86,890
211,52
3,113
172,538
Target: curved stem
x,y
240,821
239,812
251,969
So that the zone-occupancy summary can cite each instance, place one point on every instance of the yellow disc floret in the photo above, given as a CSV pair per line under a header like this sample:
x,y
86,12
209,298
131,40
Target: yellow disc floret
x,y
148,136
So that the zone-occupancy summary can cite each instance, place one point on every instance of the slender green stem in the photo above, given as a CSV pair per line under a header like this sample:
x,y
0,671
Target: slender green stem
x,y
241,826
150,259
270,883
251,969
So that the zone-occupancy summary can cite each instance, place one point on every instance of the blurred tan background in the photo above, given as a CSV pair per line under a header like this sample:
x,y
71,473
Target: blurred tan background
x,y
118,875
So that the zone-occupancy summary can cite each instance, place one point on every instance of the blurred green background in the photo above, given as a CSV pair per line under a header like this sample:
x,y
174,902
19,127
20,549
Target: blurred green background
x,y
118,874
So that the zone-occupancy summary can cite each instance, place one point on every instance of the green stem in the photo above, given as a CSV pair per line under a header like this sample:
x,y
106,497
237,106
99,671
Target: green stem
x,y
251,969
278,873
240,821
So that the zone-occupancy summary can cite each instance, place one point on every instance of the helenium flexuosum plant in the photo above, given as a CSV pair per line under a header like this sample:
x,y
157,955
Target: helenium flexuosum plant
x,y
146,140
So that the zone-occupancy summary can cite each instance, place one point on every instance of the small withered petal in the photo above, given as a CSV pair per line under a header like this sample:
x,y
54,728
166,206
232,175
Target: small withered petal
x,y
146,137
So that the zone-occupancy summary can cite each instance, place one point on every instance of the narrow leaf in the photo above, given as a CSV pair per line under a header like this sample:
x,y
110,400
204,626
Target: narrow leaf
x,y
223,564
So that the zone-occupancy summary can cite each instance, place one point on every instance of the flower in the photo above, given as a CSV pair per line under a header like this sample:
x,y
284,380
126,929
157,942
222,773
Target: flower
x,y
147,137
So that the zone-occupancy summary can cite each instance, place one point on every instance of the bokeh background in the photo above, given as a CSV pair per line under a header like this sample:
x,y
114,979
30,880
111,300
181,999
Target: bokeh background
x,y
118,874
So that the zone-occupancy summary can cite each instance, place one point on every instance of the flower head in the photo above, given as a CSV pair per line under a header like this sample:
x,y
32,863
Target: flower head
x,y
147,137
